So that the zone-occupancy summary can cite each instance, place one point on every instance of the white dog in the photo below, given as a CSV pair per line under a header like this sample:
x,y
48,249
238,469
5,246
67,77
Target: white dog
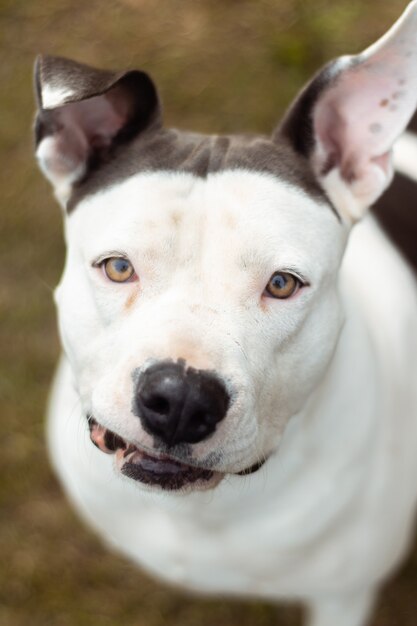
x,y
249,376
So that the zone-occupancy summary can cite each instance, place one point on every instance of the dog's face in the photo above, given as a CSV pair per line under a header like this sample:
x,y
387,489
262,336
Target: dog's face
x,y
199,305
202,259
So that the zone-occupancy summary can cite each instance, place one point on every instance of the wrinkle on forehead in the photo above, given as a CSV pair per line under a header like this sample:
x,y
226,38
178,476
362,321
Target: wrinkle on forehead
x,y
200,155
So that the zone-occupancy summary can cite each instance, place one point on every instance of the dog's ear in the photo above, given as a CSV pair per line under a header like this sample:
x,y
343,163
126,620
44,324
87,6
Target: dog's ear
x,y
347,118
84,113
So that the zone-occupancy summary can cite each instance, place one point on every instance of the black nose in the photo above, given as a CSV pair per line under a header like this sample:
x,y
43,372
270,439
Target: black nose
x,y
180,404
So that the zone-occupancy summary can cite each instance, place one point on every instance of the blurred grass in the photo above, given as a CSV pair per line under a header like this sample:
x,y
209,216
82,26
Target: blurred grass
x,y
230,65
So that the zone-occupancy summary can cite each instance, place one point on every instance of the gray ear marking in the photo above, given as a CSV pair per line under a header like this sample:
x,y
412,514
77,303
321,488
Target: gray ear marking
x,y
298,125
84,113
60,81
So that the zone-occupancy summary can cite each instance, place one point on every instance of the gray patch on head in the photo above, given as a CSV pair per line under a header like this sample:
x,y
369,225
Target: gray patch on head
x,y
173,150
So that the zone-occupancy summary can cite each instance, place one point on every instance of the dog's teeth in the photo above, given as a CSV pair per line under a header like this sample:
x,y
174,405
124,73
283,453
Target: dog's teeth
x,y
131,448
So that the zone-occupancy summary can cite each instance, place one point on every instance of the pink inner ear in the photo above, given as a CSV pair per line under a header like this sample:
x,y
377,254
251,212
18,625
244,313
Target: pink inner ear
x,y
96,118
81,127
77,130
363,112
359,118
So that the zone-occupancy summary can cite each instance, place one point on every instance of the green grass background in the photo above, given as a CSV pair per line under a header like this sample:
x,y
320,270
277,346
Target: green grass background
x,y
222,65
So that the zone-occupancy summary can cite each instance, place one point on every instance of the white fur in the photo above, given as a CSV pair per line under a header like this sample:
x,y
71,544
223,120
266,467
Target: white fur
x,y
405,155
322,384
54,96
61,170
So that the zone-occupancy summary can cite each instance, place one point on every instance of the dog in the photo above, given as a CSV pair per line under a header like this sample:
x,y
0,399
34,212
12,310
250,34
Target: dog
x,y
239,333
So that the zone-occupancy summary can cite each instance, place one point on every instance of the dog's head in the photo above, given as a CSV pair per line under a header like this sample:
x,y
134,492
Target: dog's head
x,y
199,306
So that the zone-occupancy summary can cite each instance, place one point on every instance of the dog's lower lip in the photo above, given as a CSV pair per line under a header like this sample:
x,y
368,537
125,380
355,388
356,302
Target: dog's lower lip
x,y
161,471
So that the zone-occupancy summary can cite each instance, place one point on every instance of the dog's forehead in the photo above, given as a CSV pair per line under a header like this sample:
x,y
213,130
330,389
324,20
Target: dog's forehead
x,y
170,150
227,214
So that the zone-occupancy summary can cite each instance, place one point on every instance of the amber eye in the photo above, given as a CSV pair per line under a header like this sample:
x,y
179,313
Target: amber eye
x,y
119,270
282,285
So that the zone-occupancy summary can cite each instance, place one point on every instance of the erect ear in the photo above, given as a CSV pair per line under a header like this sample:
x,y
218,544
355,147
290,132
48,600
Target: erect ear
x,y
84,113
347,118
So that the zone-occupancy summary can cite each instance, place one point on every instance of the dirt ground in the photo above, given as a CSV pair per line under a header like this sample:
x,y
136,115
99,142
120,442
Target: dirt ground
x,y
221,65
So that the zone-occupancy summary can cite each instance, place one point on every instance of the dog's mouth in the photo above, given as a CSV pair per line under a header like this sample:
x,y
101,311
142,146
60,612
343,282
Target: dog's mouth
x,y
155,470
151,469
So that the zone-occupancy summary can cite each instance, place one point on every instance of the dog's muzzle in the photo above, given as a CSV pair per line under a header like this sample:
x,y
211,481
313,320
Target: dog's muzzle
x,y
176,405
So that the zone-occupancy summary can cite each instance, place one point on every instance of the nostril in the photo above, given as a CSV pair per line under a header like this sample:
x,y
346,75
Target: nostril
x,y
157,404
199,424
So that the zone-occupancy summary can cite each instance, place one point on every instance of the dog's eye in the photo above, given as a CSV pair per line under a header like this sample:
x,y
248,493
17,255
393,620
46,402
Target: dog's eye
x,y
117,269
282,285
